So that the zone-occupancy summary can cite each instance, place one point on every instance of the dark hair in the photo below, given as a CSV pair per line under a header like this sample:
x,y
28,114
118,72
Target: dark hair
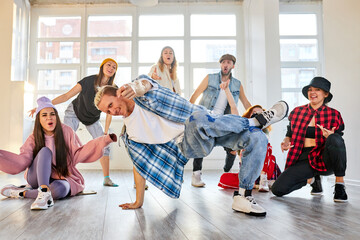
x,y
327,99
173,67
62,150
100,75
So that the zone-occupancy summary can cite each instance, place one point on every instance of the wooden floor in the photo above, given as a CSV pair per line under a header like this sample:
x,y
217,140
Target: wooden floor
x,y
199,213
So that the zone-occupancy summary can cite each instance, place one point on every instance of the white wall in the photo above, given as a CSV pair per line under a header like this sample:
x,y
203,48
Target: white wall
x,y
255,51
342,68
273,75
262,50
16,102
6,11
12,93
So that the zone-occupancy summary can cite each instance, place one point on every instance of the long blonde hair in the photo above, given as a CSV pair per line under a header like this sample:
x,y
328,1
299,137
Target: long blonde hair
x,y
173,66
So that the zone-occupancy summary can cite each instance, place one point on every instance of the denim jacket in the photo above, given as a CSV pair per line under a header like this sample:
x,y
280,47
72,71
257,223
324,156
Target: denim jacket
x,y
211,93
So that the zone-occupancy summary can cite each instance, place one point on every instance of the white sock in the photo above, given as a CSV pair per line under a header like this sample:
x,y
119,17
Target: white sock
x,y
253,122
340,183
242,191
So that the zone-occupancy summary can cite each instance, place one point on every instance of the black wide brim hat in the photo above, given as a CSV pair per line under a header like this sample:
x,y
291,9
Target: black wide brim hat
x,y
319,82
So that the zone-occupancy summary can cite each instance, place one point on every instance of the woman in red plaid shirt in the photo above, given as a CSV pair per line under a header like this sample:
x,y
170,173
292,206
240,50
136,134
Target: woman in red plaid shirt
x,y
315,144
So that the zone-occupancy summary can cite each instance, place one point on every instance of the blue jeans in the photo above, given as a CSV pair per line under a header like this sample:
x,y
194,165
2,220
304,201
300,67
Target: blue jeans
x,y
204,131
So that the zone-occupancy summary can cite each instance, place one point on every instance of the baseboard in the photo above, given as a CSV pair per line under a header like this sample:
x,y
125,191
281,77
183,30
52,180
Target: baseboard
x,y
351,182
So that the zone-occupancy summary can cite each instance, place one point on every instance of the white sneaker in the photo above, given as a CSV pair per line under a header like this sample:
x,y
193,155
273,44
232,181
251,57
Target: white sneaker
x,y
43,201
12,191
275,114
196,179
247,204
264,183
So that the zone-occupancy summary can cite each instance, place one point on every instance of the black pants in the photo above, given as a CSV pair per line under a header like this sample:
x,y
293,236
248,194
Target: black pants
x,y
295,176
229,161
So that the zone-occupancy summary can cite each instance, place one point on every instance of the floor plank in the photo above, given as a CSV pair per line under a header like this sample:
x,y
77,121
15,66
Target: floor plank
x,y
199,213
154,221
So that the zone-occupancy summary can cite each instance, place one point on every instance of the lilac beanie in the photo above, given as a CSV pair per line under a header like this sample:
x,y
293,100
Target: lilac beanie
x,y
43,102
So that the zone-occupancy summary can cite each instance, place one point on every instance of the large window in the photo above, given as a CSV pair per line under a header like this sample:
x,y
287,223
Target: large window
x,y
69,44
208,42
300,49
55,55
20,33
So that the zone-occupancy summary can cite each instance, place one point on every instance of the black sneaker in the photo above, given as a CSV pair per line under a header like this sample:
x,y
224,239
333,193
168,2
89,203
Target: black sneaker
x,y
316,186
339,193
275,114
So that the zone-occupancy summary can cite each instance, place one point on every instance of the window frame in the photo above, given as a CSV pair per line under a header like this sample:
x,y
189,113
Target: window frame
x,y
162,9
305,8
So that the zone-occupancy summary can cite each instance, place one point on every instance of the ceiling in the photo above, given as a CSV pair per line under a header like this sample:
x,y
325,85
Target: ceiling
x,y
50,2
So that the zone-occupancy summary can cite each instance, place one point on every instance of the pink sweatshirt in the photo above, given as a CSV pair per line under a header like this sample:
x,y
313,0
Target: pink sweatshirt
x,y
12,163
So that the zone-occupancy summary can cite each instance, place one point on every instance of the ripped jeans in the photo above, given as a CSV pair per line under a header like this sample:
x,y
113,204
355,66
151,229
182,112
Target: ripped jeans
x,y
204,131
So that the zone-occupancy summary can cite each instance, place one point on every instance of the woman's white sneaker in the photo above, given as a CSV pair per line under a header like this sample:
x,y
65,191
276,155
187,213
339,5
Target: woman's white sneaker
x,y
43,201
12,191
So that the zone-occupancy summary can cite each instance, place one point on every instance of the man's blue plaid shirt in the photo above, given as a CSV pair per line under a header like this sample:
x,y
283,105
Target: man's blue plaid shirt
x,y
161,164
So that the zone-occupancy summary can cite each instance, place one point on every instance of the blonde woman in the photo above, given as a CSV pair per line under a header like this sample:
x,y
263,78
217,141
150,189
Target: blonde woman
x,y
165,71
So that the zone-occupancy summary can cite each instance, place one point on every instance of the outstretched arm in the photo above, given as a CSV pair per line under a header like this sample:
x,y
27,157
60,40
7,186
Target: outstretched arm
x,y
107,123
243,98
12,163
200,89
230,98
66,96
136,88
91,151
62,98
140,192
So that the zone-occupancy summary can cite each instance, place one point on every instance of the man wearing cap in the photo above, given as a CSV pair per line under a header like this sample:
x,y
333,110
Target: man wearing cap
x,y
315,144
215,100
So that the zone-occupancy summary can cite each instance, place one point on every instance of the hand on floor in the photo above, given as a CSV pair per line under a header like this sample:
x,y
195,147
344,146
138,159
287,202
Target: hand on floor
x,y
127,206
